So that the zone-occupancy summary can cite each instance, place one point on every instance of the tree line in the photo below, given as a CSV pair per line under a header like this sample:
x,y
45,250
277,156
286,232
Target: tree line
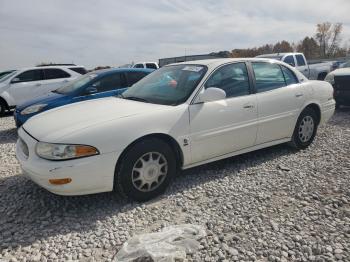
x,y
326,43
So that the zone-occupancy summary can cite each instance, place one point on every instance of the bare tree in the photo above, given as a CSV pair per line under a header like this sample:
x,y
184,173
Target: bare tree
x,y
328,37
309,47
283,46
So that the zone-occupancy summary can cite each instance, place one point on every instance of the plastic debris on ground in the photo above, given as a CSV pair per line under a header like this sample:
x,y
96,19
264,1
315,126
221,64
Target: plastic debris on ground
x,y
169,245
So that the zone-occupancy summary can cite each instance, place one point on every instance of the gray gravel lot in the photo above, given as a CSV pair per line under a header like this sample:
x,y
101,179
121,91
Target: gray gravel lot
x,y
276,204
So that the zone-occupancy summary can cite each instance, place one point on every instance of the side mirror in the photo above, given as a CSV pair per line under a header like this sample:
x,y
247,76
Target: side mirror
x,y
291,64
15,80
91,90
211,94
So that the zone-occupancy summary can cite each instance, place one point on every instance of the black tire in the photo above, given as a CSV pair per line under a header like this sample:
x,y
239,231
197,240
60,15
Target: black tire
x,y
321,76
298,140
124,174
3,108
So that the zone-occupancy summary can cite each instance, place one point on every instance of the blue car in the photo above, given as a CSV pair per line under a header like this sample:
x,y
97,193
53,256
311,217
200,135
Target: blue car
x,y
97,84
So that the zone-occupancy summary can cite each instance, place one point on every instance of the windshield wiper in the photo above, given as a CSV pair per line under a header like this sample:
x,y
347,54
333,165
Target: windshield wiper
x,y
135,98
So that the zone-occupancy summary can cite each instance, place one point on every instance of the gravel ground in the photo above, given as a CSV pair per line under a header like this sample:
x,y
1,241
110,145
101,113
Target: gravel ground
x,y
276,204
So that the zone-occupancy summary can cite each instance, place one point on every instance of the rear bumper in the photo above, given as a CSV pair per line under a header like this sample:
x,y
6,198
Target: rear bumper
x,y
89,175
327,111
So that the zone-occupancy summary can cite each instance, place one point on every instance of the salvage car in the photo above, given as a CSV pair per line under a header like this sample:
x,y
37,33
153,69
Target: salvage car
x,y
97,84
345,65
340,80
28,83
180,116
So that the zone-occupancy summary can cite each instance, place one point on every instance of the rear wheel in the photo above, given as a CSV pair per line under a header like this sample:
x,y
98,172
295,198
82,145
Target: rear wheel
x,y
145,170
3,107
305,129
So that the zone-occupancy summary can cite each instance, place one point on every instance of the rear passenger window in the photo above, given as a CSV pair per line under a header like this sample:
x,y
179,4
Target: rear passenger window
x,y
300,60
30,75
267,76
79,70
289,76
151,66
134,77
109,83
233,79
289,60
55,73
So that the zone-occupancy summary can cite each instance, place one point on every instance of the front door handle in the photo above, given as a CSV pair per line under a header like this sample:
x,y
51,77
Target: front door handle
x,y
248,106
38,84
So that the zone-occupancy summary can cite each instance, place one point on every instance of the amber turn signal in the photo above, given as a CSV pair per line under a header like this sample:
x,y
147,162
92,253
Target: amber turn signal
x,y
61,181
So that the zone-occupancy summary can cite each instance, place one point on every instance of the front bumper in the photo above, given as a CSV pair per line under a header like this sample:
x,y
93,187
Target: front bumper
x,y
89,175
20,119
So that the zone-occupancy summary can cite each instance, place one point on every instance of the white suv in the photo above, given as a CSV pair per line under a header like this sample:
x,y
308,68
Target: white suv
x,y
25,84
150,65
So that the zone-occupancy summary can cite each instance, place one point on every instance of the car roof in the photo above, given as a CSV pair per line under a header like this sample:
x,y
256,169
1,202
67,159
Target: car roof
x,y
47,67
210,63
146,62
280,54
127,69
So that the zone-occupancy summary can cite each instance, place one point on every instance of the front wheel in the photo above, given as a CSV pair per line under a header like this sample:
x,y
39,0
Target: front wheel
x,y
145,170
305,129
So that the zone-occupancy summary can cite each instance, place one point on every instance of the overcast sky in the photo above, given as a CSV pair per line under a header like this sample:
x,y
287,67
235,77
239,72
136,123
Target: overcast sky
x,y
110,32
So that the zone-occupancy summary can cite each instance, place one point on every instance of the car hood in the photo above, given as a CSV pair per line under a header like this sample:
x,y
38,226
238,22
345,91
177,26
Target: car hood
x,y
341,72
46,99
59,122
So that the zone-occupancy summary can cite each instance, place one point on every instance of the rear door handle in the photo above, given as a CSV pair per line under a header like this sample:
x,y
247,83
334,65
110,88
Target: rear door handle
x,y
298,95
38,84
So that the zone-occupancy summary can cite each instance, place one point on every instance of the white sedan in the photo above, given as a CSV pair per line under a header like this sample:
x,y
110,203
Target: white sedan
x,y
180,116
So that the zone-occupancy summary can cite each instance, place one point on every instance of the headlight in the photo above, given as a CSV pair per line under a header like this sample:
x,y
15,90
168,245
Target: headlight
x,y
33,109
330,79
64,152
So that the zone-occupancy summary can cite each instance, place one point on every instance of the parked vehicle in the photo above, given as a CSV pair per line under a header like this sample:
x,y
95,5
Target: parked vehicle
x,y
150,65
26,84
345,65
316,71
97,84
335,65
180,116
5,73
340,80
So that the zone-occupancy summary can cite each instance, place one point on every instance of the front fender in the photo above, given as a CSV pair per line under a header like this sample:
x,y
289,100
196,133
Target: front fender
x,y
8,98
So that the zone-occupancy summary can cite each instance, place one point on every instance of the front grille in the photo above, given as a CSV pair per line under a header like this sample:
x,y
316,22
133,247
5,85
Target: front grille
x,y
342,82
23,147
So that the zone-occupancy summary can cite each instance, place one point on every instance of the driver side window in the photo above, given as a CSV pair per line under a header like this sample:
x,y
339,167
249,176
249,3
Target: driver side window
x,y
108,83
232,78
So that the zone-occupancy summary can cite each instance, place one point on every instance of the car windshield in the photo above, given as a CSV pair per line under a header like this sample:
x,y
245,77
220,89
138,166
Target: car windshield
x,y
170,85
4,78
75,84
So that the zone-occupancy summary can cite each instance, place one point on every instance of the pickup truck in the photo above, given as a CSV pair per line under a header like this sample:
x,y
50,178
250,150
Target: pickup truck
x,y
311,71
